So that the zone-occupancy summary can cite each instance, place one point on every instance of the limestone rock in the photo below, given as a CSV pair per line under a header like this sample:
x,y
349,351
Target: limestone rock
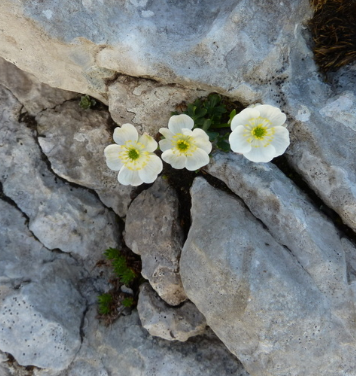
x,y
60,216
257,297
40,322
293,221
34,95
74,141
230,46
145,103
125,348
152,231
18,248
172,324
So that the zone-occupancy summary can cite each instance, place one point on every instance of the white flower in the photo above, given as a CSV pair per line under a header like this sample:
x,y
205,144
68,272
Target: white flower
x,y
183,147
259,133
133,156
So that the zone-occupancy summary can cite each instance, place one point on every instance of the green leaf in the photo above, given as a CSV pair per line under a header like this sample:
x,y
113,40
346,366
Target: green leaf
x,y
128,276
212,135
104,302
217,126
200,112
86,102
128,302
232,115
223,145
206,124
111,253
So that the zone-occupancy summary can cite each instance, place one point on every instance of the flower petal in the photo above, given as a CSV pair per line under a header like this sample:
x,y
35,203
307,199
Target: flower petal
x,y
273,114
129,177
244,116
178,122
165,144
177,161
199,159
166,133
261,154
238,142
126,133
149,173
280,140
201,140
113,161
149,142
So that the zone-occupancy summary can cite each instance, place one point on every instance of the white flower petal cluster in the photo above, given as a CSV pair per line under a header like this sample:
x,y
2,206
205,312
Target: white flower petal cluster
x,y
184,147
259,133
133,156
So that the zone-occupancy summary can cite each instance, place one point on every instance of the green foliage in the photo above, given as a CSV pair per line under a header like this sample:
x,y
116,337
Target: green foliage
x,y
86,102
105,302
119,264
128,302
211,115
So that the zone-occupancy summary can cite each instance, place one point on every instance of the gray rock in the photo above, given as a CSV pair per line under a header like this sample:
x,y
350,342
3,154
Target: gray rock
x,y
60,216
161,320
293,221
145,103
126,349
230,46
18,248
74,141
153,232
257,297
34,95
40,322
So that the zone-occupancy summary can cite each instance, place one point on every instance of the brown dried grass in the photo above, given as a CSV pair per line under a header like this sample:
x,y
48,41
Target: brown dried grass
x,y
333,28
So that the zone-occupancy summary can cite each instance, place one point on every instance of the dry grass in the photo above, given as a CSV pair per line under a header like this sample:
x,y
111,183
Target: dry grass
x,y
333,28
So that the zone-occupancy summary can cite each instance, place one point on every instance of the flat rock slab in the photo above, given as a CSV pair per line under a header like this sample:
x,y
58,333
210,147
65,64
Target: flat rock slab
x,y
69,218
126,349
74,140
152,231
256,296
40,322
170,323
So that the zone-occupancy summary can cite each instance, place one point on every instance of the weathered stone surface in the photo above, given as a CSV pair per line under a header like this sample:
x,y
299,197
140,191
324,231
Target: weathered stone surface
x,y
172,324
293,221
34,95
323,137
74,141
88,42
18,248
258,297
126,349
145,103
152,231
61,216
40,322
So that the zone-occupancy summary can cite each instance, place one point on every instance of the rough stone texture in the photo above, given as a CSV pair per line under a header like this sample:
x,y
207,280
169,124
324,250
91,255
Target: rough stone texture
x,y
18,248
145,103
126,349
152,231
40,322
323,136
74,141
172,324
259,298
34,95
223,46
293,221
61,216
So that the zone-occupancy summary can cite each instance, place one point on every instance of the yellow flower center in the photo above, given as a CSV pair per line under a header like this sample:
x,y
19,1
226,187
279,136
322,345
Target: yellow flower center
x,y
183,144
133,155
258,132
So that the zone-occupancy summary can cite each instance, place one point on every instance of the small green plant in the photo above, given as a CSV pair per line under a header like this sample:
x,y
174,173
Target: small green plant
x,y
105,304
125,274
128,302
87,102
211,115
